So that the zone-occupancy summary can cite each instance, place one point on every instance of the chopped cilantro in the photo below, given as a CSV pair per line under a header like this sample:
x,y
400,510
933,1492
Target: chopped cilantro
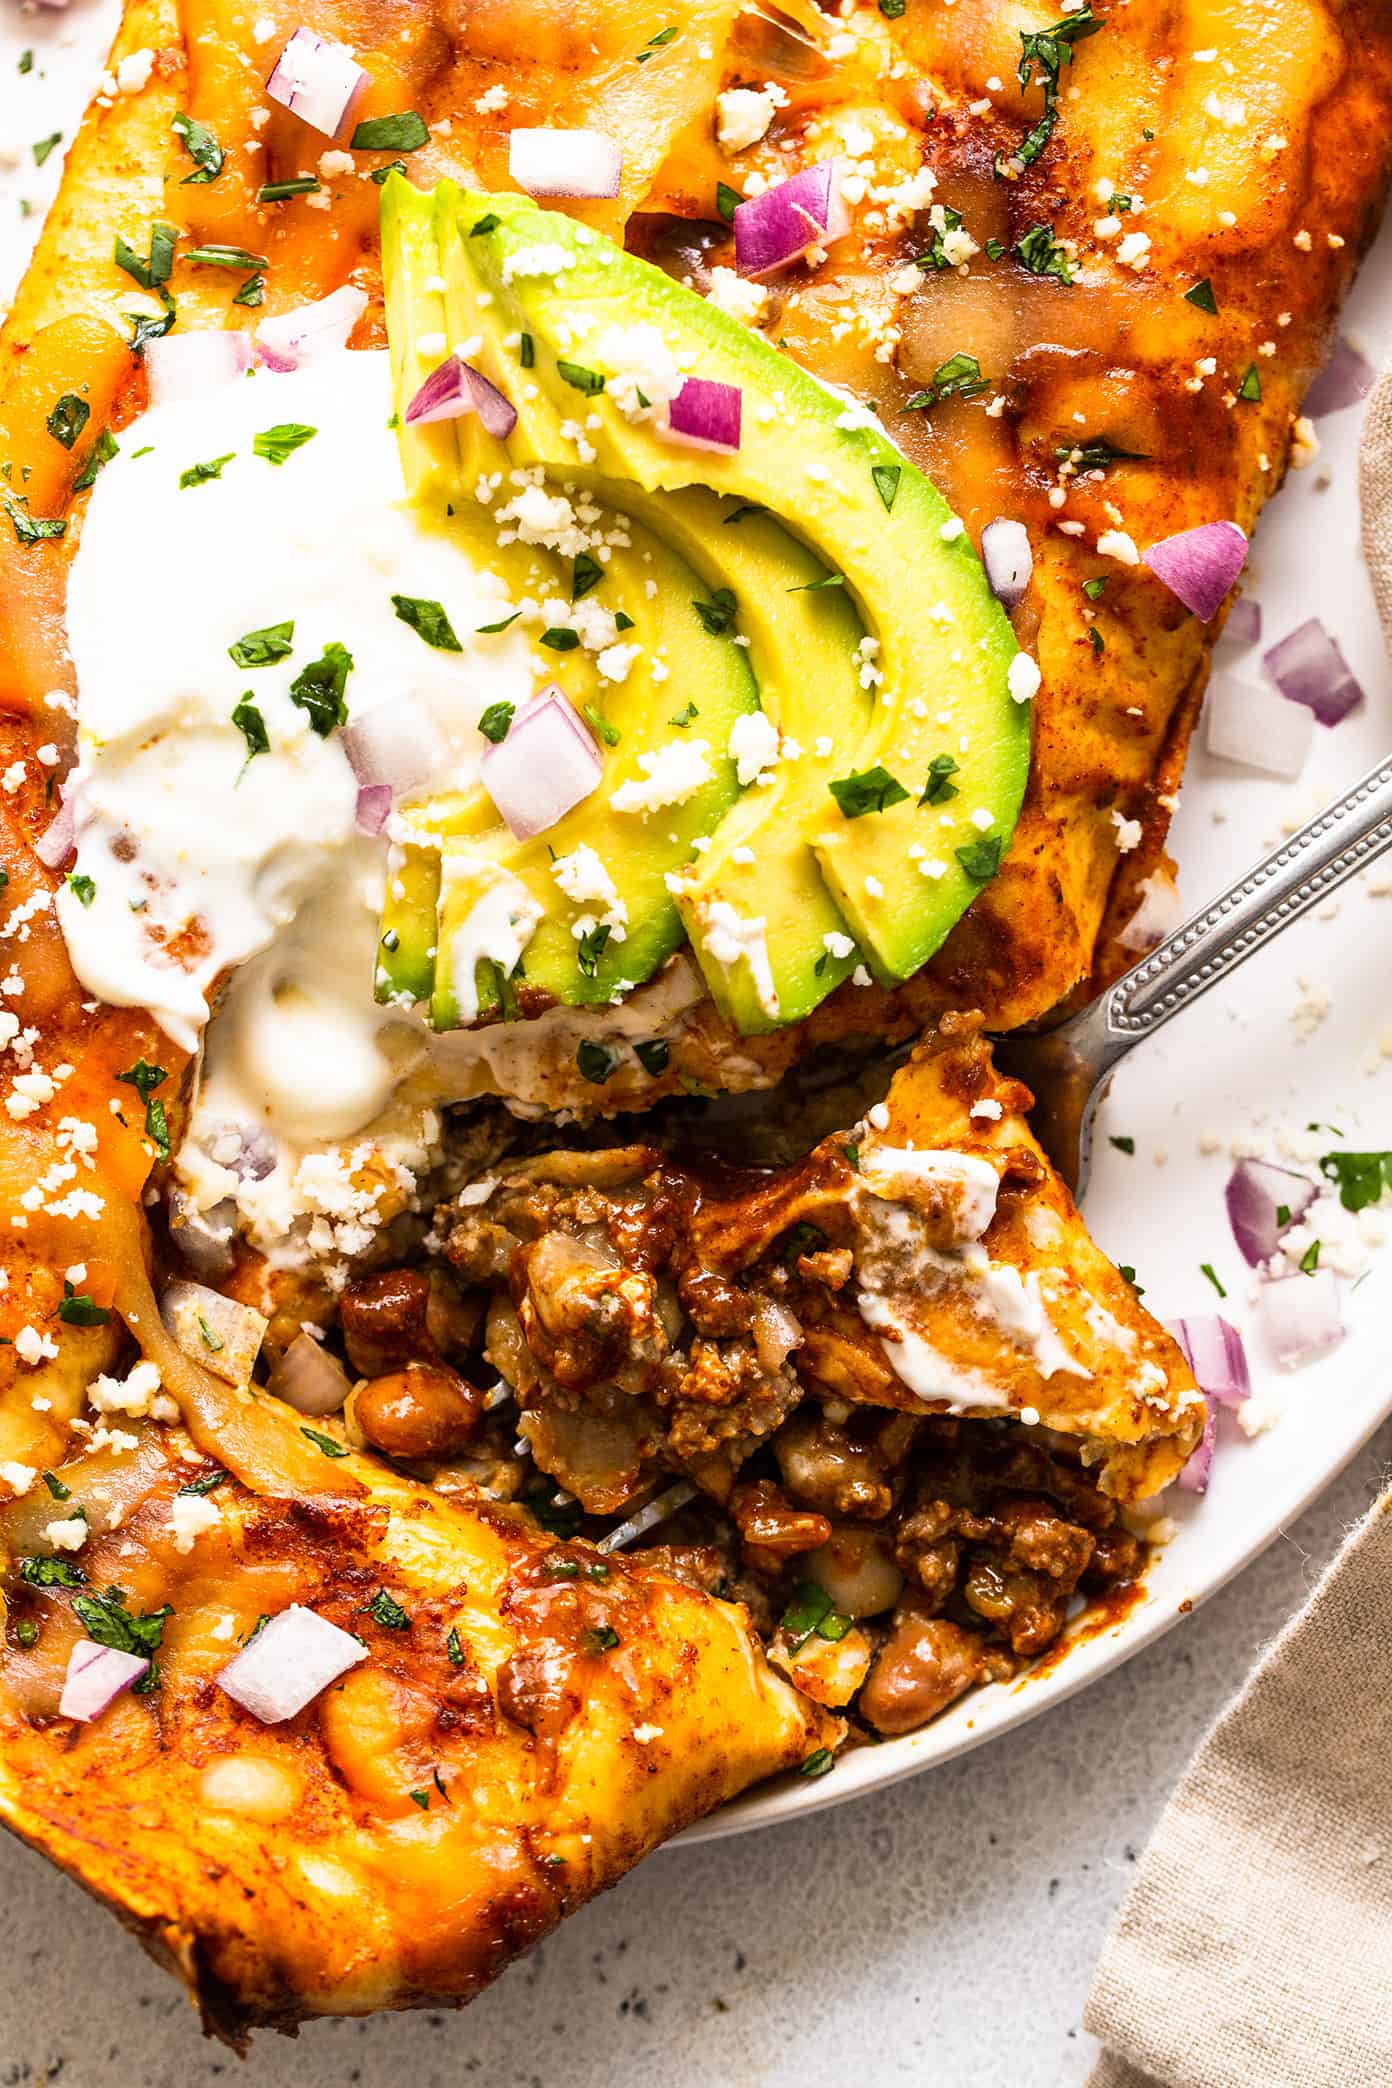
x,y
597,1062
428,620
277,443
852,1153
938,786
318,689
727,200
810,1611
82,887
1123,1145
602,1639
1250,387
420,1798
581,379
746,507
1125,1269
326,1443
655,43
252,291
144,1078
202,148
1095,589
718,614
43,146
33,529
388,1611
958,378
504,623
893,10
200,474
252,726
281,191
993,249
590,949
653,1056
262,648
681,719
224,257
27,1632
1097,453
1096,640
1049,50
105,1618
206,1485
886,479
497,721
585,574
67,418
818,1762
146,326
867,790
557,1518
489,222
102,451
405,132
526,351
1201,296
1362,1177
1208,1270
379,175
560,639
26,62
51,1573
1309,1260
1042,254
454,1649
816,586
77,1309
981,859
157,1126
56,1486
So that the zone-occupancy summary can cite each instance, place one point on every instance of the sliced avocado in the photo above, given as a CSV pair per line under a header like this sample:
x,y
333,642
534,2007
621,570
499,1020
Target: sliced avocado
x,y
414,293
586,313
569,955
406,946
762,923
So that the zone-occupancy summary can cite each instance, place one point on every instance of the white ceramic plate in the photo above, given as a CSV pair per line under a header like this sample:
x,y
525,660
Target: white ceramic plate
x,y
1236,1064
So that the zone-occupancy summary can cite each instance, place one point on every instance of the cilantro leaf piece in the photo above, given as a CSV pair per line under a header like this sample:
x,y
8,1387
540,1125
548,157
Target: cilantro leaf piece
x,y
56,1486
727,201
77,1309
105,1618
262,648
252,726
277,443
938,787
602,1639
958,378
818,1762
200,474
223,257
51,1573
202,148
157,1126
282,191
82,887
144,1078
981,859
1250,387
868,790
1042,255
43,146
206,1484
388,1611
1362,1177
581,379
718,614
1048,50
496,721
585,574
405,132
653,1055
428,620
560,639
504,623
67,417
318,689
886,479
453,1648
1201,296
102,451
325,1443
1207,1269
34,529
590,949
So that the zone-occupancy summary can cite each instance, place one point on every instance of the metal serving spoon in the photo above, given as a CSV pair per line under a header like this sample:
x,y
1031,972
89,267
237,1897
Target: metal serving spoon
x,y
1070,1067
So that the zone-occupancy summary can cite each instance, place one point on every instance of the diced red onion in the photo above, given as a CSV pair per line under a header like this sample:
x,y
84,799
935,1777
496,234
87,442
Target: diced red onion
x,y
203,1238
396,745
373,808
96,1676
1247,723
1195,1475
216,1331
550,162
1199,565
705,414
455,388
291,339
1216,1355
1308,667
1255,1193
786,222
288,1663
1008,559
546,765
1244,624
1160,912
58,839
256,1153
317,80
186,365
309,1379
1300,1317
1346,378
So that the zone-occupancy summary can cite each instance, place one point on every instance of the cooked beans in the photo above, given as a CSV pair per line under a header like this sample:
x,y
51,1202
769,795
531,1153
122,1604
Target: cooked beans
x,y
425,1410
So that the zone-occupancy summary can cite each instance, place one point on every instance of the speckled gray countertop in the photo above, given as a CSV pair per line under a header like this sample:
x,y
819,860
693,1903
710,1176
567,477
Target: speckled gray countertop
x,y
941,1933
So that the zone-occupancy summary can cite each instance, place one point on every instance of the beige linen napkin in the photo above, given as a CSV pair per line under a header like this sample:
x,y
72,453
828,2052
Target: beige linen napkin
x,y
1255,1948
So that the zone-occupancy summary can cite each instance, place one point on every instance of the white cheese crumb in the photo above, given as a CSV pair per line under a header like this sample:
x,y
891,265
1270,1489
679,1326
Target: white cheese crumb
x,y
671,775
189,1516
753,745
1023,677
743,115
1115,543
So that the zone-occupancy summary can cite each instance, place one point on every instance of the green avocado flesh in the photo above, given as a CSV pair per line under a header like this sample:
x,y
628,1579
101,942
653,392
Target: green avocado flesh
x,y
805,575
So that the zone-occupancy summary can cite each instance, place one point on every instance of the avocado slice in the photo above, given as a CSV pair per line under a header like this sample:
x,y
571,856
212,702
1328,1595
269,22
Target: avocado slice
x,y
523,281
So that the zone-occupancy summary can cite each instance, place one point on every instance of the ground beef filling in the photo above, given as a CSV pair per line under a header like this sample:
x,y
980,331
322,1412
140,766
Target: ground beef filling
x,y
567,1342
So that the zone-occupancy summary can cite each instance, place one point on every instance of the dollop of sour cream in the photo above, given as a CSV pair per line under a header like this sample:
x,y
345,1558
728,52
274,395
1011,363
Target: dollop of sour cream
x,y
196,852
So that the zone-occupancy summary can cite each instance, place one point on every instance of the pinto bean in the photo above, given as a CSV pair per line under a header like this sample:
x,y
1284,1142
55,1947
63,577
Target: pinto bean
x,y
385,1321
924,1665
425,1410
856,1569
772,1529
